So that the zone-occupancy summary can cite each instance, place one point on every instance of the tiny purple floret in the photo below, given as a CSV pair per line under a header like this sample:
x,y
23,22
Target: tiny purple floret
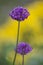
x,y
23,48
19,13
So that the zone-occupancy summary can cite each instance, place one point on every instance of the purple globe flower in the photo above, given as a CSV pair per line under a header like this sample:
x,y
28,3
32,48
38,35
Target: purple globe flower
x,y
23,48
19,13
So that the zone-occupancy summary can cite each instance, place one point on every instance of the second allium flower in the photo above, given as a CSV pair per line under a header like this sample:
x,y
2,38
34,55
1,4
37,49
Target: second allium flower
x,y
24,48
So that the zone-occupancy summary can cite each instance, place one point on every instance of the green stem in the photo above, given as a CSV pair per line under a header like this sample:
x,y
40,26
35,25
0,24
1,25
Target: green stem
x,y
23,60
16,43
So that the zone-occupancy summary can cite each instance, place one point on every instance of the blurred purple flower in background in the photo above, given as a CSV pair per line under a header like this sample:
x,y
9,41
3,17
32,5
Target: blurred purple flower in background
x,y
19,13
23,48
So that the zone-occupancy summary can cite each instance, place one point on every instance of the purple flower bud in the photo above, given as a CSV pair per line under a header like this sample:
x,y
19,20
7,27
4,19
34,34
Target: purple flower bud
x,y
23,48
19,13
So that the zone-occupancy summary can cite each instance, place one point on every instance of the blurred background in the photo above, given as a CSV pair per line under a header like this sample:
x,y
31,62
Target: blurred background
x,y
31,31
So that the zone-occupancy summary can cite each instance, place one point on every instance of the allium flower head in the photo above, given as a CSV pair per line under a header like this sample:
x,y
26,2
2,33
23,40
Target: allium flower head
x,y
23,48
19,13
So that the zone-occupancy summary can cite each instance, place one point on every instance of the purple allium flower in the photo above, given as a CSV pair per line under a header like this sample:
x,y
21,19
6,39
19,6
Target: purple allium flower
x,y
19,13
23,48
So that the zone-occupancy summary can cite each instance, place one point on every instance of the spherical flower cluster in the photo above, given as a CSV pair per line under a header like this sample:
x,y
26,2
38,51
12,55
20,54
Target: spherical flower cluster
x,y
23,48
19,13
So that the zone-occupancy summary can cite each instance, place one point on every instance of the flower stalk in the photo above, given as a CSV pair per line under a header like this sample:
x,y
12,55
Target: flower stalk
x,y
16,43
22,59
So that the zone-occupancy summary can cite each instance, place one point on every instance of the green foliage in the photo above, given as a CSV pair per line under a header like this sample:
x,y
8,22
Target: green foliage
x,y
36,59
6,48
